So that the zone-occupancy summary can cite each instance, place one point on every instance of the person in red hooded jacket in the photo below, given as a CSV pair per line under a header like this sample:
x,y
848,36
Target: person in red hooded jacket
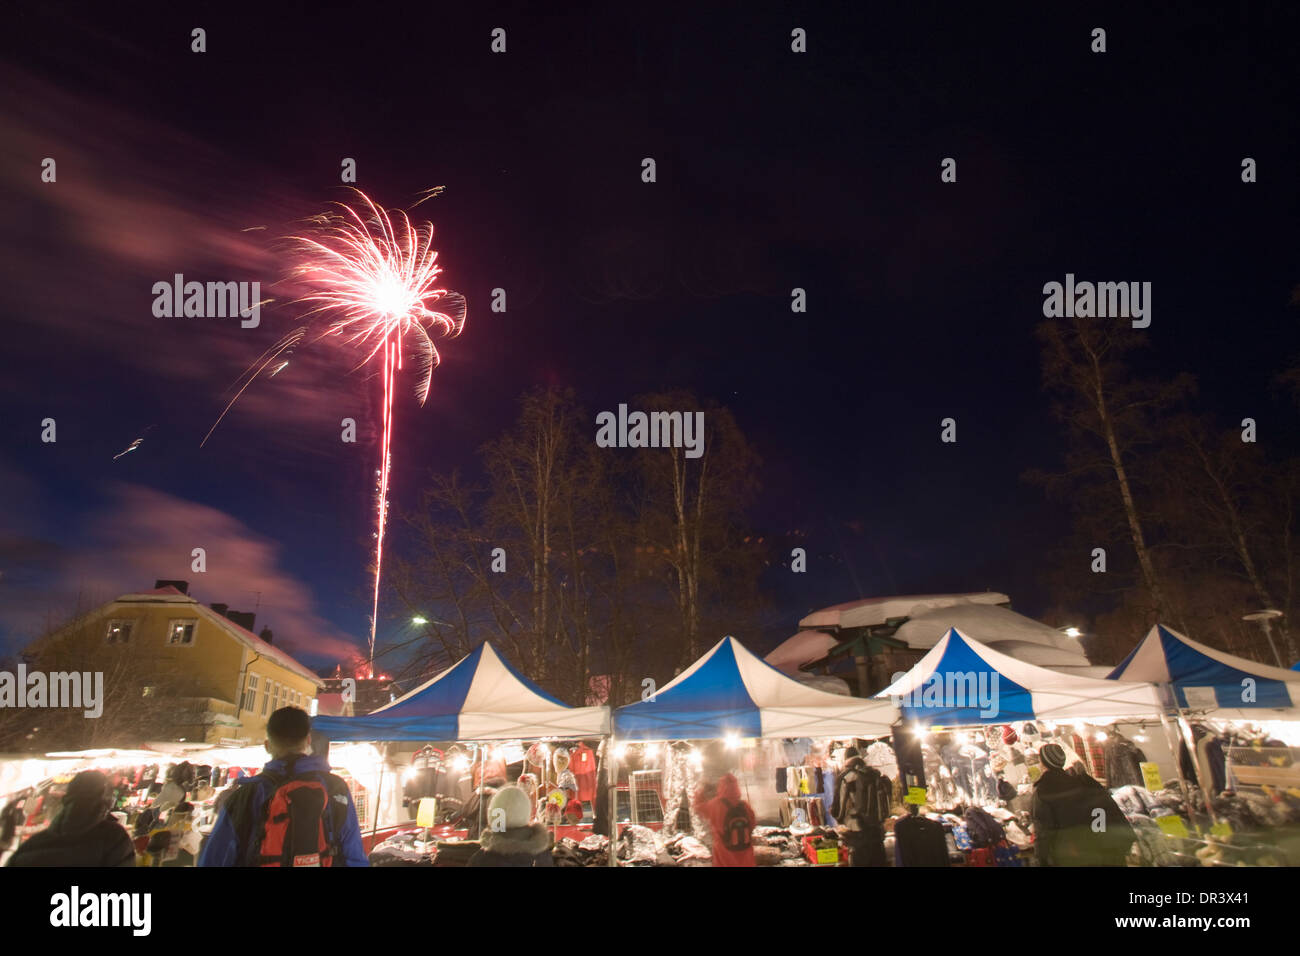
x,y
731,821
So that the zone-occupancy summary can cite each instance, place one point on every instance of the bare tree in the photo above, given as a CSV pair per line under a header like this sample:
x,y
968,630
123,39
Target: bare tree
x,y
1108,412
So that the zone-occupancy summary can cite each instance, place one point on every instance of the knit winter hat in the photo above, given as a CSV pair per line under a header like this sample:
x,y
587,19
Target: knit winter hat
x,y
516,806
1052,755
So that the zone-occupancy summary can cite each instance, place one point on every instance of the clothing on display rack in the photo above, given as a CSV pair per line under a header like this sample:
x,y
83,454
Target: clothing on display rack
x,y
919,841
1123,761
583,764
1092,754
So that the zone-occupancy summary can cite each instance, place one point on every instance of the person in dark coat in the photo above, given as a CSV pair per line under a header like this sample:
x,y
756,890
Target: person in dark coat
x,y
862,798
82,833
510,839
1076,823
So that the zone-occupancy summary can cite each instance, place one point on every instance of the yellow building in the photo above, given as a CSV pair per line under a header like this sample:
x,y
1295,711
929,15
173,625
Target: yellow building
x,y
211,678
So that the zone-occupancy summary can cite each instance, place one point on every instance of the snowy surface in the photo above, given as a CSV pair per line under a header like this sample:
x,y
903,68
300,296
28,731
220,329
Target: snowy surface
x,y
871,611
796,651
999,628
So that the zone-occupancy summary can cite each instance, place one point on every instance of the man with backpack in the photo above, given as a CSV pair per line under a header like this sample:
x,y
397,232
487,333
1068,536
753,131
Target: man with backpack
x,y
862,803
730,819
294,813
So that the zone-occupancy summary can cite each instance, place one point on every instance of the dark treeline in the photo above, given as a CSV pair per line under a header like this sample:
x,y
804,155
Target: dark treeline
x,y
1196,514
615,564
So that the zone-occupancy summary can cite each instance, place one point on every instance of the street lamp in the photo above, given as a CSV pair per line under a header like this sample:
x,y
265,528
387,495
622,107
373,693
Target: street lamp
x,y
1265,619
419,620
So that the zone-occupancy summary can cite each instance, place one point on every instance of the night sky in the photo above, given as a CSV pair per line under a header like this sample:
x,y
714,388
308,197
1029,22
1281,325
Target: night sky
x,y
775,170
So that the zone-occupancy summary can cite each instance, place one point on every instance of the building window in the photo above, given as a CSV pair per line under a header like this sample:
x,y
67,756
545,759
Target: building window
x,y
250,692
119,632
266,697
181,633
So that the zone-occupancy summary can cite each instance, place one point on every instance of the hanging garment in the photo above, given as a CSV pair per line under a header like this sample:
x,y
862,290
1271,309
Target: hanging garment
x,y
1209,755
881,756
919,841
1123,762
780,779
583,764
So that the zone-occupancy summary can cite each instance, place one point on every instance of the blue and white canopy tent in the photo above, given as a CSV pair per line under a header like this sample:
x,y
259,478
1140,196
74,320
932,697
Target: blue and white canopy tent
x,y
961,682
480,697
730,692
1201,678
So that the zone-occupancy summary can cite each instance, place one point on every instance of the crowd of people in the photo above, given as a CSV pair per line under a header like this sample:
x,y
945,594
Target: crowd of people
x,y
295,812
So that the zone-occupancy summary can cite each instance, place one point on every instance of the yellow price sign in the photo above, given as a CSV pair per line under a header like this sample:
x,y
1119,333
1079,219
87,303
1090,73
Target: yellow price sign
x,y
1221,829
1172,826
1151,776
915,795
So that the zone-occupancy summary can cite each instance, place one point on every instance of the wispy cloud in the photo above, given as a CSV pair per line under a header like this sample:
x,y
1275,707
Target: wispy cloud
x,y
142,534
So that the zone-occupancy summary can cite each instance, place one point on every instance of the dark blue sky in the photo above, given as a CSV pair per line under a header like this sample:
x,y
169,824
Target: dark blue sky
x,y
775,170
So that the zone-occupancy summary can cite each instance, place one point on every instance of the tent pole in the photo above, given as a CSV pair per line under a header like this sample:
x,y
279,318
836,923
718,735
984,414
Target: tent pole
x,y
379,792
1185,734
611,765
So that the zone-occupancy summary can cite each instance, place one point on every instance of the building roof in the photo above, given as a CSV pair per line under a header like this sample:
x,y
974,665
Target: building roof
x,y
169,595
803,648
869,612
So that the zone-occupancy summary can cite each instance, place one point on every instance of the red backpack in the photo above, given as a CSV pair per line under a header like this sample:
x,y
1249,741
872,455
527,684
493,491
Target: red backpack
x,y
735,828
300,821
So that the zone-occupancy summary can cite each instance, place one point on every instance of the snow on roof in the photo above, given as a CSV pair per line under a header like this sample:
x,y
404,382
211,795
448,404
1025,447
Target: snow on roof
x,y
169,592
793,652
997,627
260,646
877,610
170,595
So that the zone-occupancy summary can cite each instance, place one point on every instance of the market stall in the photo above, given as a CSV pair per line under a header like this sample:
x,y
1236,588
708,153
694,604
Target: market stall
x,y
1108,733
1239,730
732,711
479,724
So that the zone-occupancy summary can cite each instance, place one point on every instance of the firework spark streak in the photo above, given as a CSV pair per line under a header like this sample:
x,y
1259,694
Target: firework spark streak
x,y
375,280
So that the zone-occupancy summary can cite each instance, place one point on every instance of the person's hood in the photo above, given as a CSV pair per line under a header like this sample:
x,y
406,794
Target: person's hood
x,y
729,788
521,841
77,816
1056,781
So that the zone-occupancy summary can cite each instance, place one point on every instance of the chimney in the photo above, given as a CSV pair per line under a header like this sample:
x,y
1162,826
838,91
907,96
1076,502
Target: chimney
x,y
220,608
243,618
265,635
182,586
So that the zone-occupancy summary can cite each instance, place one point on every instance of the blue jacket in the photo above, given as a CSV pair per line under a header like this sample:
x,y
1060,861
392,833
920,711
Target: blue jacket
x,y
223,849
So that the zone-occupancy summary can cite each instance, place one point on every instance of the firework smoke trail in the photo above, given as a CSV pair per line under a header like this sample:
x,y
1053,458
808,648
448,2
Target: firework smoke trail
x,y
285,344
375,275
